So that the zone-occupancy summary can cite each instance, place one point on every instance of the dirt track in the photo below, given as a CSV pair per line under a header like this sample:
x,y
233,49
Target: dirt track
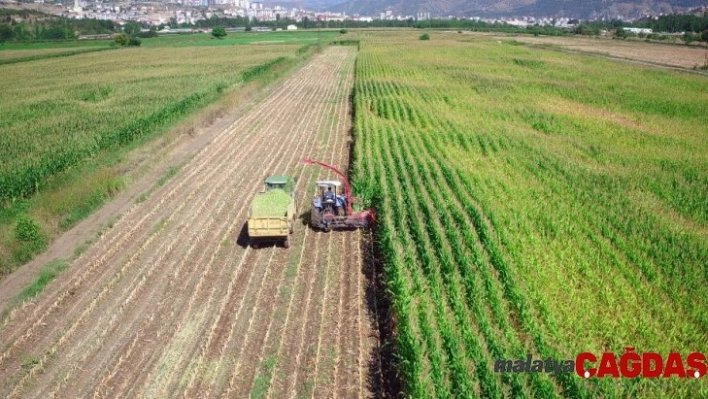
x,y
170,302
653,53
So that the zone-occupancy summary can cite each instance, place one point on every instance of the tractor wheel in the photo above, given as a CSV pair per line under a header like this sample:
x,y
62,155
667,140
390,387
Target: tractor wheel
x,y
315,220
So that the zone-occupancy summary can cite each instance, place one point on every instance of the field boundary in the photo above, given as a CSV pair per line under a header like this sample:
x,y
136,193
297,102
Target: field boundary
x,y
384,380
626,60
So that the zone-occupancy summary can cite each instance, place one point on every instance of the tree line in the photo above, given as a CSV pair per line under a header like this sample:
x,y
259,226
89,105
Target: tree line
x,y
29,25
675,23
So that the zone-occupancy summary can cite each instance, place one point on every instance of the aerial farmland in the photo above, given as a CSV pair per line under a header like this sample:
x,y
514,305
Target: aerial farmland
x,y
532,199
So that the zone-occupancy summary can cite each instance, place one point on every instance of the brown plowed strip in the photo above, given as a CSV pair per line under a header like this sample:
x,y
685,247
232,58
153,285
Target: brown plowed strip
x,y
171,302
299,340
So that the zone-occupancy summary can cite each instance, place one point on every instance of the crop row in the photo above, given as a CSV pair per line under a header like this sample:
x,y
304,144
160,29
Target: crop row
x,y
73,113
493,235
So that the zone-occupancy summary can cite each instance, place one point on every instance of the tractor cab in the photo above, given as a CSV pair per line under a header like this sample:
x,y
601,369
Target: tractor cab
x,y
329,189
329,198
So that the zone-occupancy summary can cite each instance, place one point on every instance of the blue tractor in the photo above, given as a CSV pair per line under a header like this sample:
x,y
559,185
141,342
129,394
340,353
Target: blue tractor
x,y
332,205
330,200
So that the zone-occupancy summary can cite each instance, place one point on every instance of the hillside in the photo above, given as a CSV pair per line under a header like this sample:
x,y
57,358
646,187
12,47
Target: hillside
x,y
490,8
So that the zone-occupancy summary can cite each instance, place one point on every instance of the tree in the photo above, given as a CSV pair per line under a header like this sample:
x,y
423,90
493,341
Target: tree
x,y
688,37
6,33
134,42
704,35
218,32
151,33
121,39
20,33
132,28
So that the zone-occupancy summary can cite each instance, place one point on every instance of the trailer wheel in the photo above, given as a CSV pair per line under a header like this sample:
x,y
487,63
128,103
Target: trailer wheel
x,y
286,243
254,244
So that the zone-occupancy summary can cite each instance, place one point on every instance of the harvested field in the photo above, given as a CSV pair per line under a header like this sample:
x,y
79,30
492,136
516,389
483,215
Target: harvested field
x,y
171,302
655,53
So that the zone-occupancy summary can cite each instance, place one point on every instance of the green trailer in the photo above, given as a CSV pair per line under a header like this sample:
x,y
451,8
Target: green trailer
x,y
272,215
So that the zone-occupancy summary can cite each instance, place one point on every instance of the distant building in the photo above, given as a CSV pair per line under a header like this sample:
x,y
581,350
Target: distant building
x,y
422,16
638,31
292,27
516,22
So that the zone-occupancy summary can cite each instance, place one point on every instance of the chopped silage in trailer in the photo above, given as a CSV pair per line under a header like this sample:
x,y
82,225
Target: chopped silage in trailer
x,y
273,203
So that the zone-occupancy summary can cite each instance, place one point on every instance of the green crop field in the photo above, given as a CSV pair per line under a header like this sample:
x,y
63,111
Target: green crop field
x,y
529,201
58,112
24,54
184,40
533,201
240,38
97,100
56,45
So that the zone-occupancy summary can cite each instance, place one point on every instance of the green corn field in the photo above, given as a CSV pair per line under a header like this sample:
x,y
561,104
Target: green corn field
x,y
528,200
532,201
67,112
81,105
